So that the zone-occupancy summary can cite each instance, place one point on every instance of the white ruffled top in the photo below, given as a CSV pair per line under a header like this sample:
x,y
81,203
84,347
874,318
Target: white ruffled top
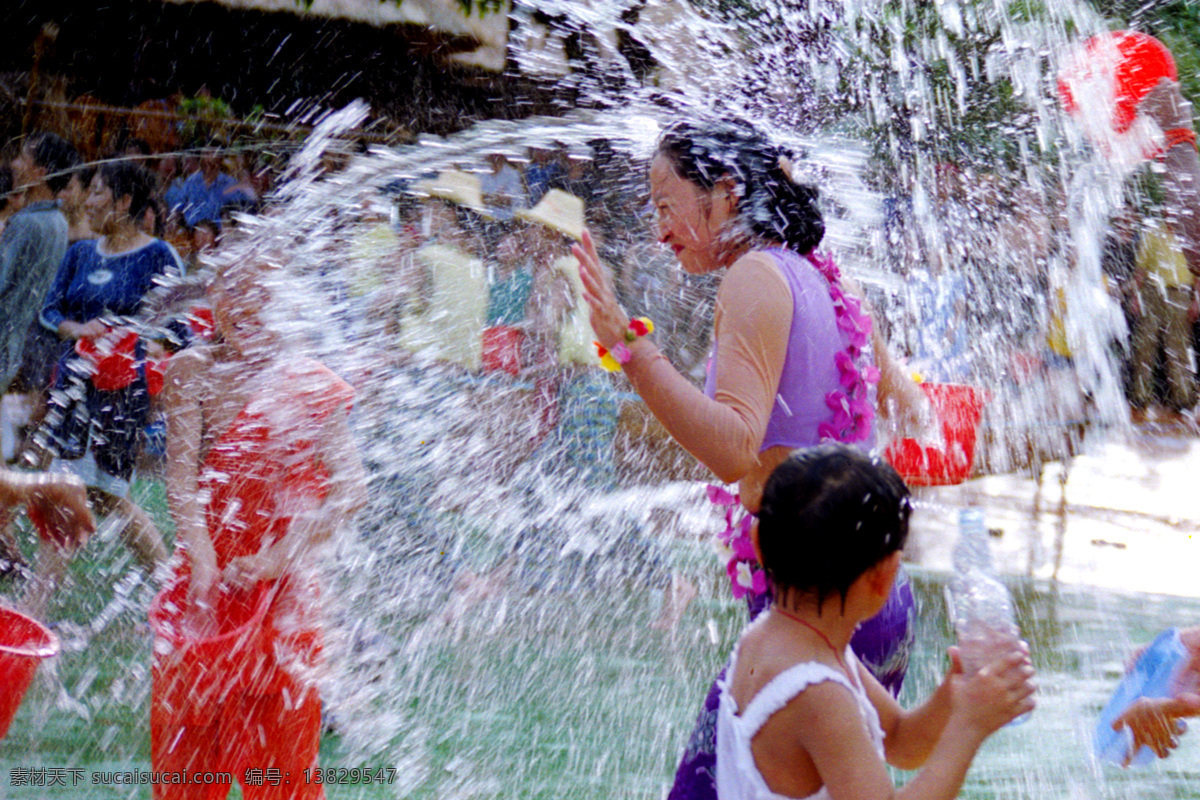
x,y
738,777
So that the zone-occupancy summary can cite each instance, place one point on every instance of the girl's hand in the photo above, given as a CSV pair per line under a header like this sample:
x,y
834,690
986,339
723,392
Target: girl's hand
x,y
1155,722
998,693
609,320
204,573
245,571
82,330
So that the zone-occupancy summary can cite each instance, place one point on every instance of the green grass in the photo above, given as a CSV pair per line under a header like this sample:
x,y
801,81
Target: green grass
x,y
555,693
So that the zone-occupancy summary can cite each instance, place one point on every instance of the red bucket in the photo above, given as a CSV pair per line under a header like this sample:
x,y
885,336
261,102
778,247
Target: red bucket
x,y
1136,63
502,349
24,643
213,654
958,408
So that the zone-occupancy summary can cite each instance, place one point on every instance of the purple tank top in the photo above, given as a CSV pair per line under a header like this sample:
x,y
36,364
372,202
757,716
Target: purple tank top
x,y
810,370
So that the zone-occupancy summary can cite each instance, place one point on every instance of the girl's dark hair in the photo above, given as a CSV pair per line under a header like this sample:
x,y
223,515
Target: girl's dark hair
x,y
829,514
773,206
126,179
159,223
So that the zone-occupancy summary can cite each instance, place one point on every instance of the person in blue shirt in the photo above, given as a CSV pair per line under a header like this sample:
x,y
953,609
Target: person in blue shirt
x,y
101,279
99,287
207,191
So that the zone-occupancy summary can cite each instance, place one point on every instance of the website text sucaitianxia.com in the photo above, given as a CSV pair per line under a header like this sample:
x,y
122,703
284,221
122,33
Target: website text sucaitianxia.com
x,y
44,777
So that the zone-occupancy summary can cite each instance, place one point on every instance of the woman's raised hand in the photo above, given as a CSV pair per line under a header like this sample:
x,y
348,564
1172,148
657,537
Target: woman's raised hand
x,y
609,320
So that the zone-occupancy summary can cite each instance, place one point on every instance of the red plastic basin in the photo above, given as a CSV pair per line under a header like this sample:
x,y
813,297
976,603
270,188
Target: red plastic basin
x,y
958,409
24,643
213,653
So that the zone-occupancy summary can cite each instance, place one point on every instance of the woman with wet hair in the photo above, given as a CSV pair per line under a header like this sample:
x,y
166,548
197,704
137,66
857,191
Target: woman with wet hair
x,y
795,360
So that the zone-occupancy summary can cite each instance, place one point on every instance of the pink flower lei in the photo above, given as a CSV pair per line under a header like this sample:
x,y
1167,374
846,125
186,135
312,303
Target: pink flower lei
x,y
852,405
852,414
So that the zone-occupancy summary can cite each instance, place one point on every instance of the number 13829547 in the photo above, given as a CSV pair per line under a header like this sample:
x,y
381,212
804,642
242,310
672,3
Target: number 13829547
x,y
341,776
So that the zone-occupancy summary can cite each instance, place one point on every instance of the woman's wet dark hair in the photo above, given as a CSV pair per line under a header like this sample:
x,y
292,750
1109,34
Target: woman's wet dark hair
x,y
127,179
773,206
828,514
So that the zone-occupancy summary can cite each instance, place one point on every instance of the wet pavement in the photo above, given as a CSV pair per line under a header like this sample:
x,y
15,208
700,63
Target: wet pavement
x,y
1123,514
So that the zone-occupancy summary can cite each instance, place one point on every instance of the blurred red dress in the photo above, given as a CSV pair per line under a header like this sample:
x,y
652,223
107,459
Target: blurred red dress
x,y
238,695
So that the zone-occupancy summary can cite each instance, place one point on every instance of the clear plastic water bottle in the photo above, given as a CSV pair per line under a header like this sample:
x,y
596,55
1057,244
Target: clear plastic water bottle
x,y
980,605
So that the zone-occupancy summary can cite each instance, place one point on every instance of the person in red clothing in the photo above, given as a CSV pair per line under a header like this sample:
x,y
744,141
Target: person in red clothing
x,y
260,471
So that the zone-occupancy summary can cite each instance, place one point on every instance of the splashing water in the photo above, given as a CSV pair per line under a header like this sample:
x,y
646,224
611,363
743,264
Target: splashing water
x,y
490,620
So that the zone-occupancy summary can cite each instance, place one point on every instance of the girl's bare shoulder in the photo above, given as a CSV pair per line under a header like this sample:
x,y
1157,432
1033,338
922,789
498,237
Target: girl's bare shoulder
x,y
763,654
756,273
755,263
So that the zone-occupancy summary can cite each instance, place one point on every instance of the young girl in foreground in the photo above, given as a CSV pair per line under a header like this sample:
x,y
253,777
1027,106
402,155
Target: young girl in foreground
x,y
799,716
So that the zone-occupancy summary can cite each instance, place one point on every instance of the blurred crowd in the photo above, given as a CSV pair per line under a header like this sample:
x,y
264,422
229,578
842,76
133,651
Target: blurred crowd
x,y
465,274
995,294
1146,271
470,269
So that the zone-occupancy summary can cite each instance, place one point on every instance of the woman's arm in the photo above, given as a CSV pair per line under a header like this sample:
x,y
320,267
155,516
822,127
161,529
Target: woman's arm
x,y
754,311
181,404
54,312
52,316
898,397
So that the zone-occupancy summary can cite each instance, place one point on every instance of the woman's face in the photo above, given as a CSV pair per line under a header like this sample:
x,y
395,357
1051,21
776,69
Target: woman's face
x,y
101,208
691,220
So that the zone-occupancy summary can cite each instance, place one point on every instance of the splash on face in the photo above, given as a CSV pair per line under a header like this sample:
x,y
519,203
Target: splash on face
x,y
239,296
